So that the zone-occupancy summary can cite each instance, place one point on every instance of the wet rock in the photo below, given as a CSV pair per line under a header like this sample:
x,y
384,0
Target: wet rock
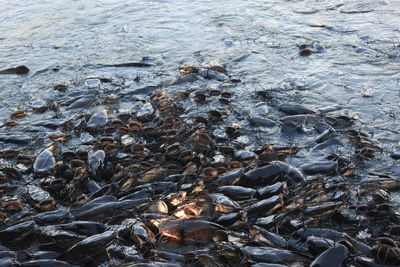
x,y
294,109
44,162
319,167
332,257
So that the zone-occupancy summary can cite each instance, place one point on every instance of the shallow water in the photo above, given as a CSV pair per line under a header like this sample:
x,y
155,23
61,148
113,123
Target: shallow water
x,y
86,157
356,67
